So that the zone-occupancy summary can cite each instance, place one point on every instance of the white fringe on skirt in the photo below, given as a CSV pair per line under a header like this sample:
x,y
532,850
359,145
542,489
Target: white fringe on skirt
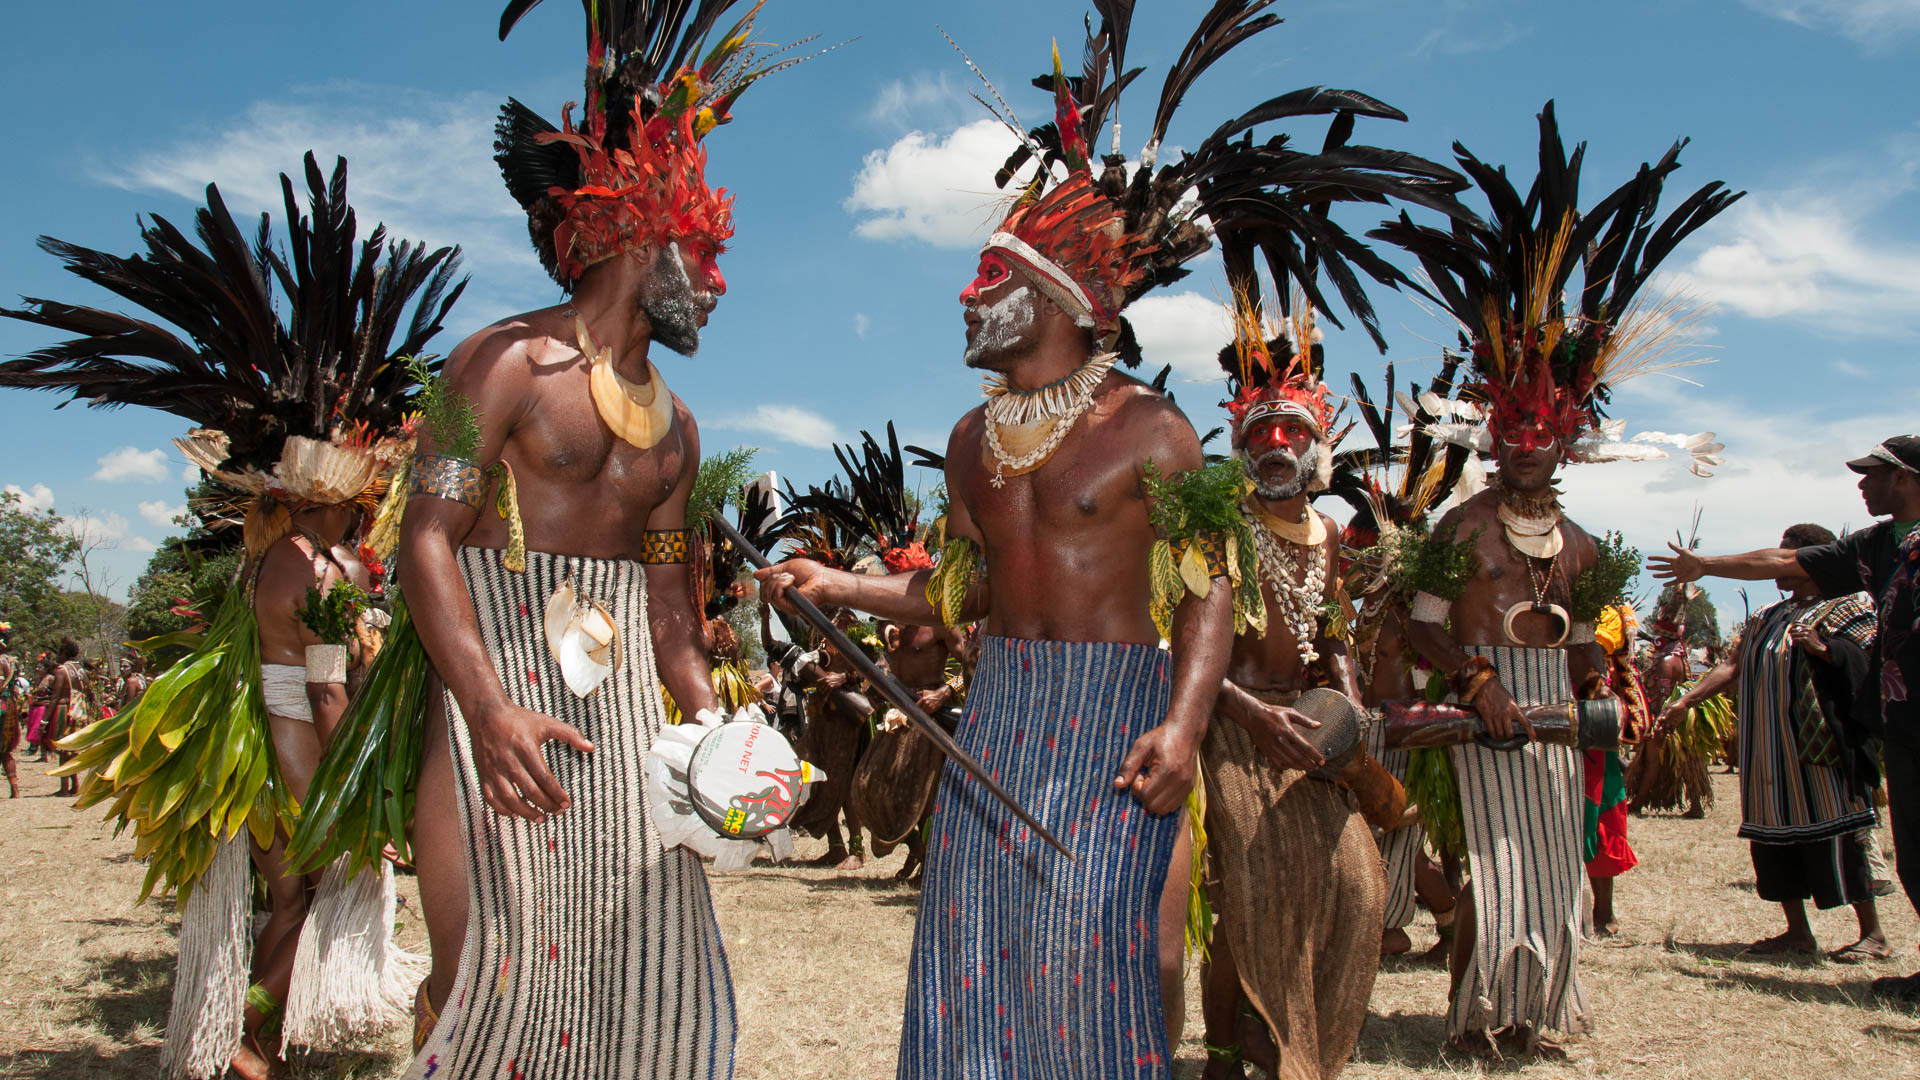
x,y
351,981
210,980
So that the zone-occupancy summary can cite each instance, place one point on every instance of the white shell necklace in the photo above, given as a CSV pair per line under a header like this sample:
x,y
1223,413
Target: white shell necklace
x,y
1280,569
1054,407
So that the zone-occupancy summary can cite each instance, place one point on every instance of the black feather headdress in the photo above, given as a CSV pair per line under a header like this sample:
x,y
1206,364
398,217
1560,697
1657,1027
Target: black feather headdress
x,y
274,344
1545,353
633,173
1115,233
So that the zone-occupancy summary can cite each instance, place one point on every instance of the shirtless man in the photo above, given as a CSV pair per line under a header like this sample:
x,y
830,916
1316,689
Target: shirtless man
x,y
1533,792
13,706
68,709
303,707
1072,697
134,685
1309,943
917,656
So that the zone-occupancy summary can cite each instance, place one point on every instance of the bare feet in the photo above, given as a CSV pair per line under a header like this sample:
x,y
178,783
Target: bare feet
x,y
833,857
1441,953
1605,925
851,862
1476,1044
1867,948
1781,944
1394,942
251,1063
909,868
1695,812
1224,1067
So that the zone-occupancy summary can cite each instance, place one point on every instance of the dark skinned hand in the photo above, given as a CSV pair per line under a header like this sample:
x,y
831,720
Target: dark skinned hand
x,y
1681,566
1158,770
1502,715
1808,638
1275,730
802,575
1670,718
932,701
514,778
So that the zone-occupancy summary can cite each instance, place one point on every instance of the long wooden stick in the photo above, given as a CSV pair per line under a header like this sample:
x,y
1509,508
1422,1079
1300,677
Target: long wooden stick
x,y
901,697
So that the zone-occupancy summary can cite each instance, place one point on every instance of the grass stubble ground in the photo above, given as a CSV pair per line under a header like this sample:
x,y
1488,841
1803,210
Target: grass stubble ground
x,y
819,969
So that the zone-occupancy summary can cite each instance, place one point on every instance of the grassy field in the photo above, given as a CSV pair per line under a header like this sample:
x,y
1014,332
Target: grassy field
x,y
819,963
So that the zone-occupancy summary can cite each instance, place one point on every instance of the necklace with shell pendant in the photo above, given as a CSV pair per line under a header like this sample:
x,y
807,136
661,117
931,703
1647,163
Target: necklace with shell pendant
x,y
640,415
1025,427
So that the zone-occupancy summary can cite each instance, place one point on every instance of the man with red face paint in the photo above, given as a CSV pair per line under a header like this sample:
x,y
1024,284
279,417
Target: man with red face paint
x,y
1507,592
556,609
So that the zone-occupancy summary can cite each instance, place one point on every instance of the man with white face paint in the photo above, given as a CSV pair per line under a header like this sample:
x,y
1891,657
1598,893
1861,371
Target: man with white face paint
x,y
1076,491
588,949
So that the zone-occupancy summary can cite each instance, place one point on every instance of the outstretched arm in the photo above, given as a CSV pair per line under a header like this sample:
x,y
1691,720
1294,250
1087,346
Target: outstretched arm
x,y
1761,565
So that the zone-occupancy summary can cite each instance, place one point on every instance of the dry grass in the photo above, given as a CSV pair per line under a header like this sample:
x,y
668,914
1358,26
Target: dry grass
x,y
819,965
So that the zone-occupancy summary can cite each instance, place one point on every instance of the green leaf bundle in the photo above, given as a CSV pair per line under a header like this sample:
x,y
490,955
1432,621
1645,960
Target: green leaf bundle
x,y
363,792
1606,583
447,413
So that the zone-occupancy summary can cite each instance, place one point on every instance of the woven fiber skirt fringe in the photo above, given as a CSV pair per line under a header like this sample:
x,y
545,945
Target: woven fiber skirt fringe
x,y
1523,811
591,952
1301,893
1024,963
1400,849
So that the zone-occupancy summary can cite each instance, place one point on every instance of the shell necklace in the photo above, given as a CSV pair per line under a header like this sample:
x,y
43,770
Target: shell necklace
x,y
1281,563
641,415
1035,422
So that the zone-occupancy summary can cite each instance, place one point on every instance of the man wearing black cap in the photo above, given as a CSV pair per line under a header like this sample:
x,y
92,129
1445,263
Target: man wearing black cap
x,y
1884,560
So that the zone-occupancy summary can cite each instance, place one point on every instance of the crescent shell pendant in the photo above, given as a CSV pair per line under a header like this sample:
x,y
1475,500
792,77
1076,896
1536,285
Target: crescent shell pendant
x,y
1555,610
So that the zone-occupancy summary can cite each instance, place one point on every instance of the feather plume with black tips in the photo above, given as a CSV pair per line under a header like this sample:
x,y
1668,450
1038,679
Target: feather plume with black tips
x,y
1276,197
271,342
756,523
1498,263
877,509
1429,468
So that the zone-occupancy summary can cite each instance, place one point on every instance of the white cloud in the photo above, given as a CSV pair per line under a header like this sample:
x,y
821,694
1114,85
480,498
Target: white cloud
x,y
906,101
1182,329
159,513
106,530
129,464
1875,24
420,162
1483,39
1813,252
140,544
932,188
189,473
38,497
788,423
862,323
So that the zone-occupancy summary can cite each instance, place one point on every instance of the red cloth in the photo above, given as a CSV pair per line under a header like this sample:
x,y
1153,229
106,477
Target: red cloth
x,y
1613,855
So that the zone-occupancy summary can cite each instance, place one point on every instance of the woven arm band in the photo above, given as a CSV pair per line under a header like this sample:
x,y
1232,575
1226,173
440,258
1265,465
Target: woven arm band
x,y
327,664
662,547
450,478
1429,608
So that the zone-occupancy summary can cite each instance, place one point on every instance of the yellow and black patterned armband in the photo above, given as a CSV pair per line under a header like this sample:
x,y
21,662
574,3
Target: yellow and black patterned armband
x,y
662,547
953,576
454,479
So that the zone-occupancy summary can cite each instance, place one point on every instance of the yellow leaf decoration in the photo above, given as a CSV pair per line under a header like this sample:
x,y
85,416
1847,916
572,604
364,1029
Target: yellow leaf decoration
x,y
1194,571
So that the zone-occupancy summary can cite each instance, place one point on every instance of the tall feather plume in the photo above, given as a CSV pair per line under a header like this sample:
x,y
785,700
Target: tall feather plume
x,y
1506,278
1276,199
231,362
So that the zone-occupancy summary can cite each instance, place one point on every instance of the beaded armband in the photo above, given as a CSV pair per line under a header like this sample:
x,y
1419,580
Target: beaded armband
x,y
451,478
661,547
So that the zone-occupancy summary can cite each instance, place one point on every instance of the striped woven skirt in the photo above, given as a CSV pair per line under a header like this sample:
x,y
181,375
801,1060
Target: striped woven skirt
x,y
1523,812
591,951
1400,850
1025,963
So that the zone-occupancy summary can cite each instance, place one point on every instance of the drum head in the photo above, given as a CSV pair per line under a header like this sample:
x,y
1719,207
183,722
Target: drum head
x,y
1340,723
745,780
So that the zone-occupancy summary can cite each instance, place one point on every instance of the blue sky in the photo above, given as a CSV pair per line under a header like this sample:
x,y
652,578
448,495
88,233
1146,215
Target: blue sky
x,y
863,185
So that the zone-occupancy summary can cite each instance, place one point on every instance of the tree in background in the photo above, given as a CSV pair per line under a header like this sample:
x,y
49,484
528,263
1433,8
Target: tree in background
x,y
1703,623
37,549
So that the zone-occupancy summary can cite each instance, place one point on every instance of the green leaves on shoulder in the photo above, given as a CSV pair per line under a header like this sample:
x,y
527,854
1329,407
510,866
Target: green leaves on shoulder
x,y
1605,583
446,412
1421,561
332,617
952,576
1201,534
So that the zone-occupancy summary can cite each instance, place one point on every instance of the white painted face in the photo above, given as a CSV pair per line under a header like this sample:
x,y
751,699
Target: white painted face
x,y
1003,324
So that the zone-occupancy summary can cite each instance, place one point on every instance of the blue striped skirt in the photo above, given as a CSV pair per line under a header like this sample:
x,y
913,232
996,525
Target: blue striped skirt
x,y
1026,964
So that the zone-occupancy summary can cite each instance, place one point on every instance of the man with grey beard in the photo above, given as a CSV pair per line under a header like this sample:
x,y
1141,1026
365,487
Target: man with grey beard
x,y
556,609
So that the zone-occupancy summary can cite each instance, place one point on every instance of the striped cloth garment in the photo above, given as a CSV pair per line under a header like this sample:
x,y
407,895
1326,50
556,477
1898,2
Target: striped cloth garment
x,y
1784,799
591,951
1024,963
1399,849
1523,811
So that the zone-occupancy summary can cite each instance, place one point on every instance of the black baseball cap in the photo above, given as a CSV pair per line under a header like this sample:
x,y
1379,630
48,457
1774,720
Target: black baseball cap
x,y
1901,452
